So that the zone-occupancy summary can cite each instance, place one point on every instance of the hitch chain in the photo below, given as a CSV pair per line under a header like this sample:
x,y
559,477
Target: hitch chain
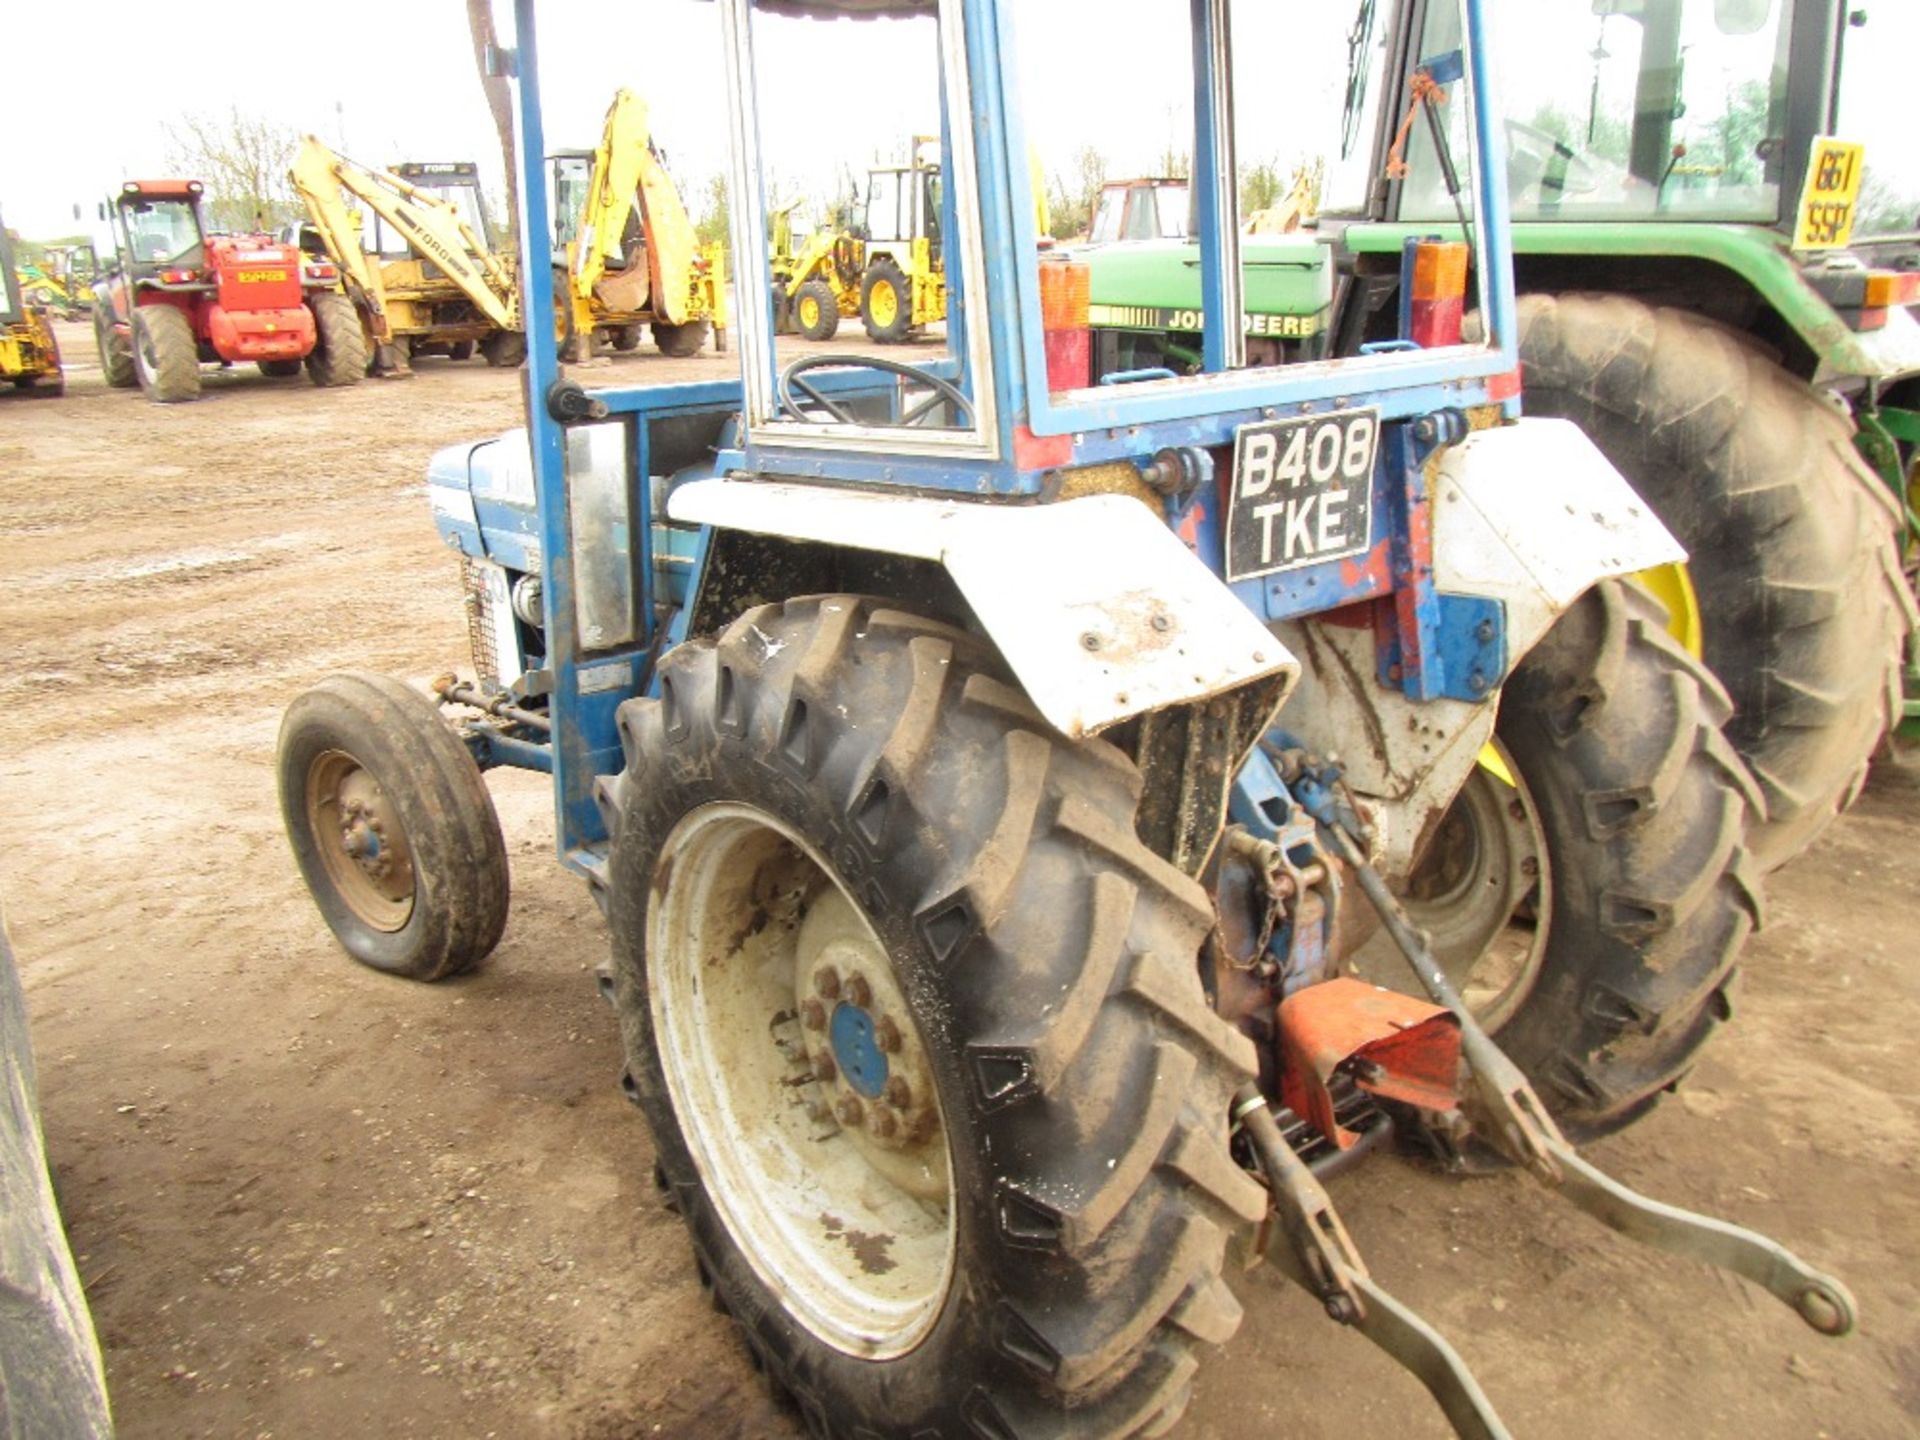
x,y
1320,1255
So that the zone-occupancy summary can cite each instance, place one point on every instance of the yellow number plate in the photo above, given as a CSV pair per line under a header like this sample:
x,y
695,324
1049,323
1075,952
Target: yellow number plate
x,y
1831,195
261,277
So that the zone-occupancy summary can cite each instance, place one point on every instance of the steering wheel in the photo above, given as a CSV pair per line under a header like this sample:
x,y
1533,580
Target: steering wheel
x,y
791,379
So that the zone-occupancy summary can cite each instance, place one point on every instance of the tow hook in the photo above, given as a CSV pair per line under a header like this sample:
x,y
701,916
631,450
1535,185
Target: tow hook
x,y
1504,1111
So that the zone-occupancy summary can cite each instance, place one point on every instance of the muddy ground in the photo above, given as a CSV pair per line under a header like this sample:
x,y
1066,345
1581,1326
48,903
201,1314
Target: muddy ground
x,y
311,1201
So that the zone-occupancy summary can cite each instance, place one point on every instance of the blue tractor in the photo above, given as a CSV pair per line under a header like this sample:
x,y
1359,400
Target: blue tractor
x,y
992,772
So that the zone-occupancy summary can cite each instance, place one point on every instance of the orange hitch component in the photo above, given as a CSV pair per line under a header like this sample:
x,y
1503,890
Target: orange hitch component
x,y
1393,1046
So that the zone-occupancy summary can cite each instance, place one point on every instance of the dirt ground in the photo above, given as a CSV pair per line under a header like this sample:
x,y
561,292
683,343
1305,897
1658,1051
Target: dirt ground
x,y
311,1201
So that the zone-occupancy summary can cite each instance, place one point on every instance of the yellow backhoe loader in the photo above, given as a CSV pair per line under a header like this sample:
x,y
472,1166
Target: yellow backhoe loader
x,y
628,252
417,264
29,353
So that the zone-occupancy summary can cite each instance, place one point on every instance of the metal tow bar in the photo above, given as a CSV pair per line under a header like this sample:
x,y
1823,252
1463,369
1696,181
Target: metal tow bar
x,y
1524,1132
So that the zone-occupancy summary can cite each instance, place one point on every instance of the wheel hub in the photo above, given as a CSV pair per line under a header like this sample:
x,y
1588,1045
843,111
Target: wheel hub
x,y
865,1055
361,842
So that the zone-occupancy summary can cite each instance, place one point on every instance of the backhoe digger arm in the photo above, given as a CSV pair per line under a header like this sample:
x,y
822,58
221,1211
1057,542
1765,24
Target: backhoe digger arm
x,y
626,172
431,225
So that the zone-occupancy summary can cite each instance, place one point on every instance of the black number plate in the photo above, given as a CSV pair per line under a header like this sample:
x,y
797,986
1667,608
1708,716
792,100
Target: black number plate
x,y
1302,492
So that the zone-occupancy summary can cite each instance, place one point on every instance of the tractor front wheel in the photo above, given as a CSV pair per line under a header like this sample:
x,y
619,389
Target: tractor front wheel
x,y
392,827
116,351
918,1026
886,302
1792,543
681,341
165,355
816,311
339,354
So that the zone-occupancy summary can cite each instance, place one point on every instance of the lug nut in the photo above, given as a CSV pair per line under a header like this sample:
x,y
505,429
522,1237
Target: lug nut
x,y
850,1110
899,1094
823,1068
883,1124
886,1035
858,992
826,984
813,1015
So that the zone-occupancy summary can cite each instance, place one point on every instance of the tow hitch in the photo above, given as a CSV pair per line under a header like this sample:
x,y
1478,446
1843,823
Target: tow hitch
x,y
1399,1049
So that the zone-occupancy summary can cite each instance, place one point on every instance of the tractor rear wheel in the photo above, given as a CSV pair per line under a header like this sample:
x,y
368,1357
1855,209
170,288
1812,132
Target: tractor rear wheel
x,y
339,354
460,350
624,338
816,310
1589,901
1793,543
165,354
681,341
116,350
279,369
918,1026
392,827
886,302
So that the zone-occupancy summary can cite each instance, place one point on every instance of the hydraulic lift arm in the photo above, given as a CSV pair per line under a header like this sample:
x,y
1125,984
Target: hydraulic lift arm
x,y
625,173
430,224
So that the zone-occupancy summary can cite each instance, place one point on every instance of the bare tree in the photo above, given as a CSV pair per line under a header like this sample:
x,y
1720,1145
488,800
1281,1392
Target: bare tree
x,y
243,162
499,99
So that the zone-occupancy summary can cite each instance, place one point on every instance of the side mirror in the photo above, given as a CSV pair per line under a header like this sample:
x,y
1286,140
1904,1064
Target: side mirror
x,y
1741,17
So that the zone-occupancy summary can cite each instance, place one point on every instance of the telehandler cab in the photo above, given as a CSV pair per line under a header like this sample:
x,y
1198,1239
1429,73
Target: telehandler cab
x,y
952,747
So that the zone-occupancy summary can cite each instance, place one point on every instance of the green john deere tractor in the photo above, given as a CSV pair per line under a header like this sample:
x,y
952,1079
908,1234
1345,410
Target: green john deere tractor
x,y
1717,242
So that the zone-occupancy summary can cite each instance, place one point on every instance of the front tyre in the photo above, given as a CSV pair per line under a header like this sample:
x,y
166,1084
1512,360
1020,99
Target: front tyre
x,y
165,356
116,350
917,1023
392,827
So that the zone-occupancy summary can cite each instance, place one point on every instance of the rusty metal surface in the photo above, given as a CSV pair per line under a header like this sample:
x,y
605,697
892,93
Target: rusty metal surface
x,y
1392,1045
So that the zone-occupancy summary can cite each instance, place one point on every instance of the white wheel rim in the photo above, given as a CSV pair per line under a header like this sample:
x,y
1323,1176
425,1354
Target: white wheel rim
x,y
851,1228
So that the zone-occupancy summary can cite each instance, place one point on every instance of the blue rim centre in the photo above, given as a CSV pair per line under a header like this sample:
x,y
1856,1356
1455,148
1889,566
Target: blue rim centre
x,y
855,1051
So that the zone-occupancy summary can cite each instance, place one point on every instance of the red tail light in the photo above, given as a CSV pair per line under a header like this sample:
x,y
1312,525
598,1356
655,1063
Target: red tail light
x,y
1065,287
1439,293
179,277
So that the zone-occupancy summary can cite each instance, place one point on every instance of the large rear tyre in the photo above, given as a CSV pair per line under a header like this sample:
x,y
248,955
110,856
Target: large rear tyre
x,y
1589,903
1792,541
816,311
886,302
165,356
339,354
116,350
917,1023
392,827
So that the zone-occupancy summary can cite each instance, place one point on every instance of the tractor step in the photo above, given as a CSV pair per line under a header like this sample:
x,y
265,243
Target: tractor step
x,y
1432,1067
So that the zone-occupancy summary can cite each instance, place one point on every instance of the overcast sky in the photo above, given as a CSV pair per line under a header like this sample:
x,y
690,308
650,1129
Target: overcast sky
x,y
395,80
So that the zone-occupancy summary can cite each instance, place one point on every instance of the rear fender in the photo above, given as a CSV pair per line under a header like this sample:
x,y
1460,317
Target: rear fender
x,y
1531,515
1097,607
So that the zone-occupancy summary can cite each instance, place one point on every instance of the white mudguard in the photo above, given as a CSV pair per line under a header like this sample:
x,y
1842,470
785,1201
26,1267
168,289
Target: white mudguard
x,y
1099,609
1530,514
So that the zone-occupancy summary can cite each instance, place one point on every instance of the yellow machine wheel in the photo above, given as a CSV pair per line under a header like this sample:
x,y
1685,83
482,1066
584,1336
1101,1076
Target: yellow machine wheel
x,y
1672,586
886,302
816,310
